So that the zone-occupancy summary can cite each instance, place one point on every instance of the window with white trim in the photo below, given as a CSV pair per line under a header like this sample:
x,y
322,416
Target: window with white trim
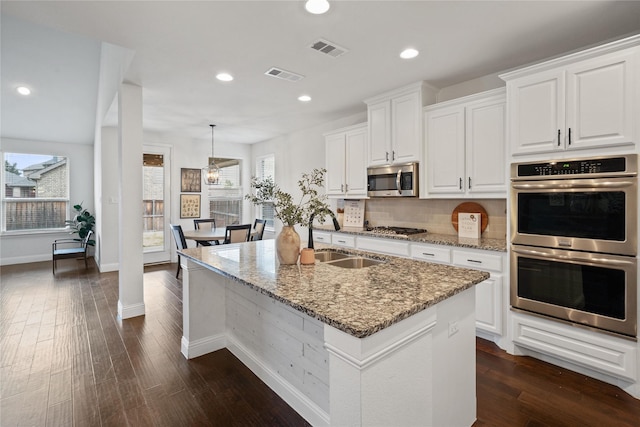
x,y
36,192
265,167
226,197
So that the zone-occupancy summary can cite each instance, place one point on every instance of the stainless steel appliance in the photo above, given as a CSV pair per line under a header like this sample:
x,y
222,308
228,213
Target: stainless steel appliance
x,y
574,226
396,231
393,181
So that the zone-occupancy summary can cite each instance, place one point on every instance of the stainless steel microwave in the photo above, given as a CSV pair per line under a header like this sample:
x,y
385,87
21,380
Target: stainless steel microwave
x,y
399,180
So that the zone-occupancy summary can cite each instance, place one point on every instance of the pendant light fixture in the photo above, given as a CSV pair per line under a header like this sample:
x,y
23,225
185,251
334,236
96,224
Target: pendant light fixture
x,y
211,173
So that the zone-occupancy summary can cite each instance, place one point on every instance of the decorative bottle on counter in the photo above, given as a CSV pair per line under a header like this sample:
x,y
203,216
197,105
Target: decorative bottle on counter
x,y
288,245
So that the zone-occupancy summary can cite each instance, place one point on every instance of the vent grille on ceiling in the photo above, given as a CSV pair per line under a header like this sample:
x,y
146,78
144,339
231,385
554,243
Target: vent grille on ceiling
x,y
279,73
329,48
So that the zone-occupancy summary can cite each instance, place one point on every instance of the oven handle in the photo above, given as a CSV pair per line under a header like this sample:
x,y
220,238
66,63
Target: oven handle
x,y
572,184
574,256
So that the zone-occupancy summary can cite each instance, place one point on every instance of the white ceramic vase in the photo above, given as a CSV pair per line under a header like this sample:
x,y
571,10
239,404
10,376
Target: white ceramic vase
x,y
288,245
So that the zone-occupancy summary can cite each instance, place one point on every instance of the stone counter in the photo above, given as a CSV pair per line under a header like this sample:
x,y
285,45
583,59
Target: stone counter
x,y
359,302
499,245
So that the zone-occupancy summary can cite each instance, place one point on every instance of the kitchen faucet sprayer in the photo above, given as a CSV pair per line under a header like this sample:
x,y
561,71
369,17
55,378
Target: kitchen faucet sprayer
x,y
336,225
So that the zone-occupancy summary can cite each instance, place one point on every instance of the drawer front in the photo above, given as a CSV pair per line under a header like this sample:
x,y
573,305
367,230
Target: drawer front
x,y
431,254
477,260
345,240
321,237
387,246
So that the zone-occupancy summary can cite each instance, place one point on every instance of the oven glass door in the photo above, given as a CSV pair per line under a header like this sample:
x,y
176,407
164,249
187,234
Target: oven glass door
x,y
592,289
577,214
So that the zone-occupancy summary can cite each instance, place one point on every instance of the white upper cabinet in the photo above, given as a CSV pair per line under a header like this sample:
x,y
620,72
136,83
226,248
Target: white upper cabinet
x,y
395,124
465,147
346,156
585,100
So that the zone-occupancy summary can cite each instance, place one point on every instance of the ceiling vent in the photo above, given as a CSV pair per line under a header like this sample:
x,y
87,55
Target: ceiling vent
x,y
329,48
279,73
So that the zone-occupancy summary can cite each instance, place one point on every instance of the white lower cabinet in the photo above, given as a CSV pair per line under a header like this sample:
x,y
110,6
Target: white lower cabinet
x,y
341,239
322,237
387,246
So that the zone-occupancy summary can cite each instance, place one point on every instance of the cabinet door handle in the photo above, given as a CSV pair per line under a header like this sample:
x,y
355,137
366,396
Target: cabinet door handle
x,y
428,254
393,155
346,188
558,137
342,241
569,136
460,184
469,183
387,155
342,188
474,261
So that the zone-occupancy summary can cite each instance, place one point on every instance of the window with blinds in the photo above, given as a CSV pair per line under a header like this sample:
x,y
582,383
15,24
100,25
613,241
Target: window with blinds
x,y
36,192
265,167
226,197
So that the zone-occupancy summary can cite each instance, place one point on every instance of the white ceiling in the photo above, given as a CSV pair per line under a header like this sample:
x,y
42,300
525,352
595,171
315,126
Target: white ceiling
x,y
54,47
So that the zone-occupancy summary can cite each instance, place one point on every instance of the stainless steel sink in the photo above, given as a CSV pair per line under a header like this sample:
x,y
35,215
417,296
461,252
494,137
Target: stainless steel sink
x,y
326,256
355,262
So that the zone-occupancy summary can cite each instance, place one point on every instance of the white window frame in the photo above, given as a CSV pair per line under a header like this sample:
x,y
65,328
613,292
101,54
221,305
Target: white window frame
x,y
258,209
4,199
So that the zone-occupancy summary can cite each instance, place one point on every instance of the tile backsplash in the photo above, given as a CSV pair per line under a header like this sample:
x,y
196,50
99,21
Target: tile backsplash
x,y
433,214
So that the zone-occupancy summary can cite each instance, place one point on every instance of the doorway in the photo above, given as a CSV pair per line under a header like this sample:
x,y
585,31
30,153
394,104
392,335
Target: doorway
x,y
156,200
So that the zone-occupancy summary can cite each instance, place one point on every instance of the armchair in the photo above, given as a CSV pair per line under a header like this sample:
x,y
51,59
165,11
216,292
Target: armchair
x,y
70,248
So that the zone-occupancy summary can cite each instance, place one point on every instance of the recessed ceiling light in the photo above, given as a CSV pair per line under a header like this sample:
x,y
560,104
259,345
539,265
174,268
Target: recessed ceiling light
x,y
23,90
304,98
224,77
409,53
317,7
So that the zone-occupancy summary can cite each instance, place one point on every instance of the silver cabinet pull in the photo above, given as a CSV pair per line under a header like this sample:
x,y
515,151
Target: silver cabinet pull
x,y
460,184
428,254
558,137
387,155
474,261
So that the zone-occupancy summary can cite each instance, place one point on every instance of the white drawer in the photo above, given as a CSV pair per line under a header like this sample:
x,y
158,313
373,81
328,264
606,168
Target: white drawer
x,y
430,253
387,246
477,260
346,240
319,236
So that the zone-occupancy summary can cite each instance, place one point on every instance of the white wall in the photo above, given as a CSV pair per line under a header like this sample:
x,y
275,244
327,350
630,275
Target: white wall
x,y
297,153
20,247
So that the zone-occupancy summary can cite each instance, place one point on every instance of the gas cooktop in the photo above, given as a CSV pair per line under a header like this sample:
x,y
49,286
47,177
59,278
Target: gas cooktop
x,y
399,231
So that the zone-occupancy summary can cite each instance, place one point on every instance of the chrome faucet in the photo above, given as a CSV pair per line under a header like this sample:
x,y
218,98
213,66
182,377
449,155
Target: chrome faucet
x,y
325,211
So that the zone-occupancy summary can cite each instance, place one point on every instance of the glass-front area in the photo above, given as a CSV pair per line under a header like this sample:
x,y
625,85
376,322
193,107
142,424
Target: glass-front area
x,y
153,202
36,192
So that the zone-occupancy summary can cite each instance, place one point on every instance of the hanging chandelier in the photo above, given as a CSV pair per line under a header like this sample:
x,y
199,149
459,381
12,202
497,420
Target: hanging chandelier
x,y
211,173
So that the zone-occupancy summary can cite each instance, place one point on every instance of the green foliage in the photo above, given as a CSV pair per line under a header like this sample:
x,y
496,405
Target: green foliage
x,y
82,223
285,208
13,168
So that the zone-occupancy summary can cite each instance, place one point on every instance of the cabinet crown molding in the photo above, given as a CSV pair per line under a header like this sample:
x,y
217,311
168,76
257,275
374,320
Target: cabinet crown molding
x,y
346,129
428,93
480,96
567,59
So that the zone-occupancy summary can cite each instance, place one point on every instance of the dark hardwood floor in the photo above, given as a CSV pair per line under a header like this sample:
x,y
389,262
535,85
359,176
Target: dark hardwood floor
x,y
66,360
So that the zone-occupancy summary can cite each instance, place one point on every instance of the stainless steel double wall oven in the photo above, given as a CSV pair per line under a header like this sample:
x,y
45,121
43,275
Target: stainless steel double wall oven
x,y
574,241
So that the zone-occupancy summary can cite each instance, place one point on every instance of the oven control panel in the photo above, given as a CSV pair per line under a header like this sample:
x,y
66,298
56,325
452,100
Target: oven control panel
x,y
597,166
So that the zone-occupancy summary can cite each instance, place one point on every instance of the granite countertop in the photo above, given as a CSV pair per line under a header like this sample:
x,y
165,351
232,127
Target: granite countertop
x,y
499,245
359,302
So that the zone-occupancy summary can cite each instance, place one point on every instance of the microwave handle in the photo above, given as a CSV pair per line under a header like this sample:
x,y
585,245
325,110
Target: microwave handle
x,y
398,180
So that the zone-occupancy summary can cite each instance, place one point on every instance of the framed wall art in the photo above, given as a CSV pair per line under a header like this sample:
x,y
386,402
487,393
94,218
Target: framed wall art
x,y
189,206
190,180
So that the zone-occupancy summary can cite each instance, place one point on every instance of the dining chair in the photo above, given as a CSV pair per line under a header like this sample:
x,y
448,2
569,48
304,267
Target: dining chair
x,y
237,233
212,222
258,229
181,242
70,248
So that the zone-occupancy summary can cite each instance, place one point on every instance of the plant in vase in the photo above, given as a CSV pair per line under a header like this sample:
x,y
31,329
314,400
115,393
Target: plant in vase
x,y
289,211
82,223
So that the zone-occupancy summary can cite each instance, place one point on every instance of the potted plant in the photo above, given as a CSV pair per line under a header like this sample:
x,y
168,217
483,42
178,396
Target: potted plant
x,y
290,212
82,223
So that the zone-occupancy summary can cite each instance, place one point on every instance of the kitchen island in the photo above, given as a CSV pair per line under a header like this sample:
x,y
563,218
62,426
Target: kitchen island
x,y
389,344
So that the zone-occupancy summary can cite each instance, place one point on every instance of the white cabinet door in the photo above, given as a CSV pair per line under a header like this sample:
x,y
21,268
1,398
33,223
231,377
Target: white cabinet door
x,y
489,305
486,156
406,128
335,163
600,95
445,150
536,108
356,163
379,117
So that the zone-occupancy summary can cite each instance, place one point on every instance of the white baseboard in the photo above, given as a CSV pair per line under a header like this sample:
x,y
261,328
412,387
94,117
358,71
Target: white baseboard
x,y
298,401
202,346
25,259
130,311
105,268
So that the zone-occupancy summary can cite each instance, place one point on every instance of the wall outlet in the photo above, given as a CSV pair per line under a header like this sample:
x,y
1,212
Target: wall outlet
x,y
453,328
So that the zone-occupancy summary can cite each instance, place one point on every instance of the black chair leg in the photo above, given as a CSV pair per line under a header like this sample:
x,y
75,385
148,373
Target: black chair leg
x,y
178,272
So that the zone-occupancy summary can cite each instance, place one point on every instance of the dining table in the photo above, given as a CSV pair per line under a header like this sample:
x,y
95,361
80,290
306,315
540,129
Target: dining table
x,y
209,234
